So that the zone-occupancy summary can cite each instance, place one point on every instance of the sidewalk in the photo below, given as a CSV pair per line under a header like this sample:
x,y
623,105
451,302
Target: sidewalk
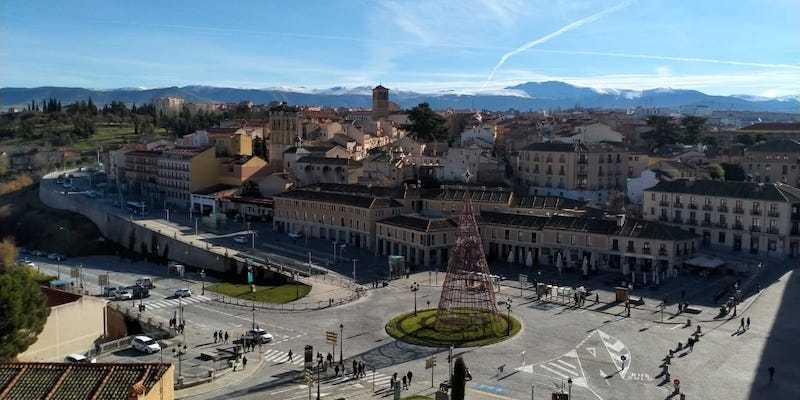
x,y
221,380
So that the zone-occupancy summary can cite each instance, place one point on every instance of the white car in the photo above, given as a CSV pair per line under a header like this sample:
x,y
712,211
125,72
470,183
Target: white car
x,y
123,295
258,335
183,292
145,344
29,264
295,235
79,359
240,239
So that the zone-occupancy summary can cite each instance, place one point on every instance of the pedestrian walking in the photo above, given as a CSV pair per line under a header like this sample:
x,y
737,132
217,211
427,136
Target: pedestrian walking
x,y
215,336
355,368
226,337
748,323
405,384
336,370
291,356
391,383
409,375
741,325
394,379
244,362
771,373
691,344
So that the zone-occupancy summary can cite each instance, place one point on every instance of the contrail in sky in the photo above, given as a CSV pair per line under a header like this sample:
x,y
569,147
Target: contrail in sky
x,y
546,38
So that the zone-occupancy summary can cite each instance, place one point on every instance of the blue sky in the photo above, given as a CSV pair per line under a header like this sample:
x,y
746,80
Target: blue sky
x,y
717,46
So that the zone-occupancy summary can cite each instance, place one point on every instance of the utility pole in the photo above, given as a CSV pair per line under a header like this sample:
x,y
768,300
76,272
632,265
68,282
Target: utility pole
x,y
355,260
341,344
414,289
203,280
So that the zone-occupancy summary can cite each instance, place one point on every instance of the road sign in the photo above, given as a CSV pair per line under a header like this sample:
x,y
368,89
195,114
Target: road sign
x,y
102,280
331,337
430,362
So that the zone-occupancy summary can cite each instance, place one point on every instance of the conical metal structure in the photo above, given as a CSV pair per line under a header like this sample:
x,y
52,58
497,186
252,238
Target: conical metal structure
x,y
467,294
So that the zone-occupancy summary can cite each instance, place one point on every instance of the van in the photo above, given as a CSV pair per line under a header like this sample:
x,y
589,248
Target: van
x,y
145,282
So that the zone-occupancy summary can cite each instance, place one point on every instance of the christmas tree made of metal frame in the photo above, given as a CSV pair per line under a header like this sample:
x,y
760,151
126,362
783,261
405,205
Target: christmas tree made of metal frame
x,y
467,293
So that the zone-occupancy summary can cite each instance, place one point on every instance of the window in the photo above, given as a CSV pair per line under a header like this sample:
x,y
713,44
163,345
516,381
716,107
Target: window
x,y
615,244
558,237
721,238
533,237
572,240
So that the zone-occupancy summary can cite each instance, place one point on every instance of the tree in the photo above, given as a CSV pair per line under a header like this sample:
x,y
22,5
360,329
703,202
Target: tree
x,y
250,189
734,172
716,171
663,131
8,254
693,128
459,380
23,312
427,125
745,139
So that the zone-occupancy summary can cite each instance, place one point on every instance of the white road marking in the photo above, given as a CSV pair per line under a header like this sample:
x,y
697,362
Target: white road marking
x,y
553,371
567,364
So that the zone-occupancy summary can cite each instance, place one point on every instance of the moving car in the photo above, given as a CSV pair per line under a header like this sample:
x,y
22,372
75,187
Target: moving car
x,y
29,263
79,359
56,257
123,295
240,239
145,282
145,344
258,335
183,292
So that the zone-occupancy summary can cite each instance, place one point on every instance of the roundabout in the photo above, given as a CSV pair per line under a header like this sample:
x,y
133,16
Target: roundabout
x,y
422,329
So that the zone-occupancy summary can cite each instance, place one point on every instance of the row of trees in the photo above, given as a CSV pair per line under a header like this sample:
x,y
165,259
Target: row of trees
x,y
665,130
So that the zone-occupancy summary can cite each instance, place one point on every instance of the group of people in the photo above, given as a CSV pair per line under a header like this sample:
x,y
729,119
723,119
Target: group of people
x,y
178,326
221,337
406,380
744,325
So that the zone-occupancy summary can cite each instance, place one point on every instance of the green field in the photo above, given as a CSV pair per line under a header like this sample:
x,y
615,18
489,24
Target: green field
x,y
266,294
107,135
421,329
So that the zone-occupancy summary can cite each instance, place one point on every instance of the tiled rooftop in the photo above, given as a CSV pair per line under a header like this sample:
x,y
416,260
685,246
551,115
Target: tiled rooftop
x,y
741,190
61,381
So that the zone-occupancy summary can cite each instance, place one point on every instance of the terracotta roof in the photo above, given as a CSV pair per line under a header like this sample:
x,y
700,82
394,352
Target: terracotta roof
x,y
328,161
740,190
773,126
420,223
340,198
61,381
548,202
477,195
57,297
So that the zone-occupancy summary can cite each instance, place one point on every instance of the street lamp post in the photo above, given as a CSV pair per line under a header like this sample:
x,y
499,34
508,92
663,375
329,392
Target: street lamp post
x,y
180,352
319,367
414,289
203,280
569,388
507,303
355,260
254,315
341,344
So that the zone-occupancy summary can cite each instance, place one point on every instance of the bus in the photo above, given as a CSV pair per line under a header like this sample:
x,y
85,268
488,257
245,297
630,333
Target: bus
x,y
137,208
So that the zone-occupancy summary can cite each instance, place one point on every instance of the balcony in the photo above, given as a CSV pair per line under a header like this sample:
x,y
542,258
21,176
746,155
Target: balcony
x,y
692,222
722,208
630,249
662,252
708,207
663,218
754,228
705,223
772,230
738,227
678,204
677,220
722,225
692,206
755,211
738,210
774,214
583,160
663,203
646,250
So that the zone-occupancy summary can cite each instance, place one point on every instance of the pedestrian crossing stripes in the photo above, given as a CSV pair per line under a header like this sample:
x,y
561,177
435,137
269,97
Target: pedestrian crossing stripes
x,y
169,303
281,357
616,349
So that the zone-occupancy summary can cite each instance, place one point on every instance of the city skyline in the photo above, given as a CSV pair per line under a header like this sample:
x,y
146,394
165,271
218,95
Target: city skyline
x,y
463,47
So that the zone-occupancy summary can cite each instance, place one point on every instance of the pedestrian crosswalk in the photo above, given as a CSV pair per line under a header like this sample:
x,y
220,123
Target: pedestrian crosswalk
x,y
564,367
618,351
174,303
281,357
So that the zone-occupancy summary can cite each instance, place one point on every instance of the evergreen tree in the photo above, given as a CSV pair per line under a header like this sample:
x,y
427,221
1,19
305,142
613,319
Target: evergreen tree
x,y
23,312
427,125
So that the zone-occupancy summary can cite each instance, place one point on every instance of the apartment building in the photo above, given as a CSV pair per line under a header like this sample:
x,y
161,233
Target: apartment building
x,y
141,173
341,217
236,170
309,170
230,141
758,218
284,129
184,170
580,171
649,250
776,160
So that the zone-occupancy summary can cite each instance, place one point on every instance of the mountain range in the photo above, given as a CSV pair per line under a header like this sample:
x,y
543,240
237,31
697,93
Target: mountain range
x,y
526,96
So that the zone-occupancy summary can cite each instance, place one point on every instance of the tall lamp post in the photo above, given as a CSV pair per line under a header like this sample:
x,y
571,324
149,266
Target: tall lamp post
x,y
203,280
355,260
58,263
414,289
341,344
180,352
507,303
569,388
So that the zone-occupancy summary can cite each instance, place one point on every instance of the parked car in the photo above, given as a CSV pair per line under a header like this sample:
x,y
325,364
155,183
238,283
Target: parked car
x,y
145,344
294,235
123,295
91,194
183,292
109,291
79,359
258,335
56,257
240,239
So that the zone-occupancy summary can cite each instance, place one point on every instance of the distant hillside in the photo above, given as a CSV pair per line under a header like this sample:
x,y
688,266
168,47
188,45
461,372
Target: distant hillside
x,y
531,95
